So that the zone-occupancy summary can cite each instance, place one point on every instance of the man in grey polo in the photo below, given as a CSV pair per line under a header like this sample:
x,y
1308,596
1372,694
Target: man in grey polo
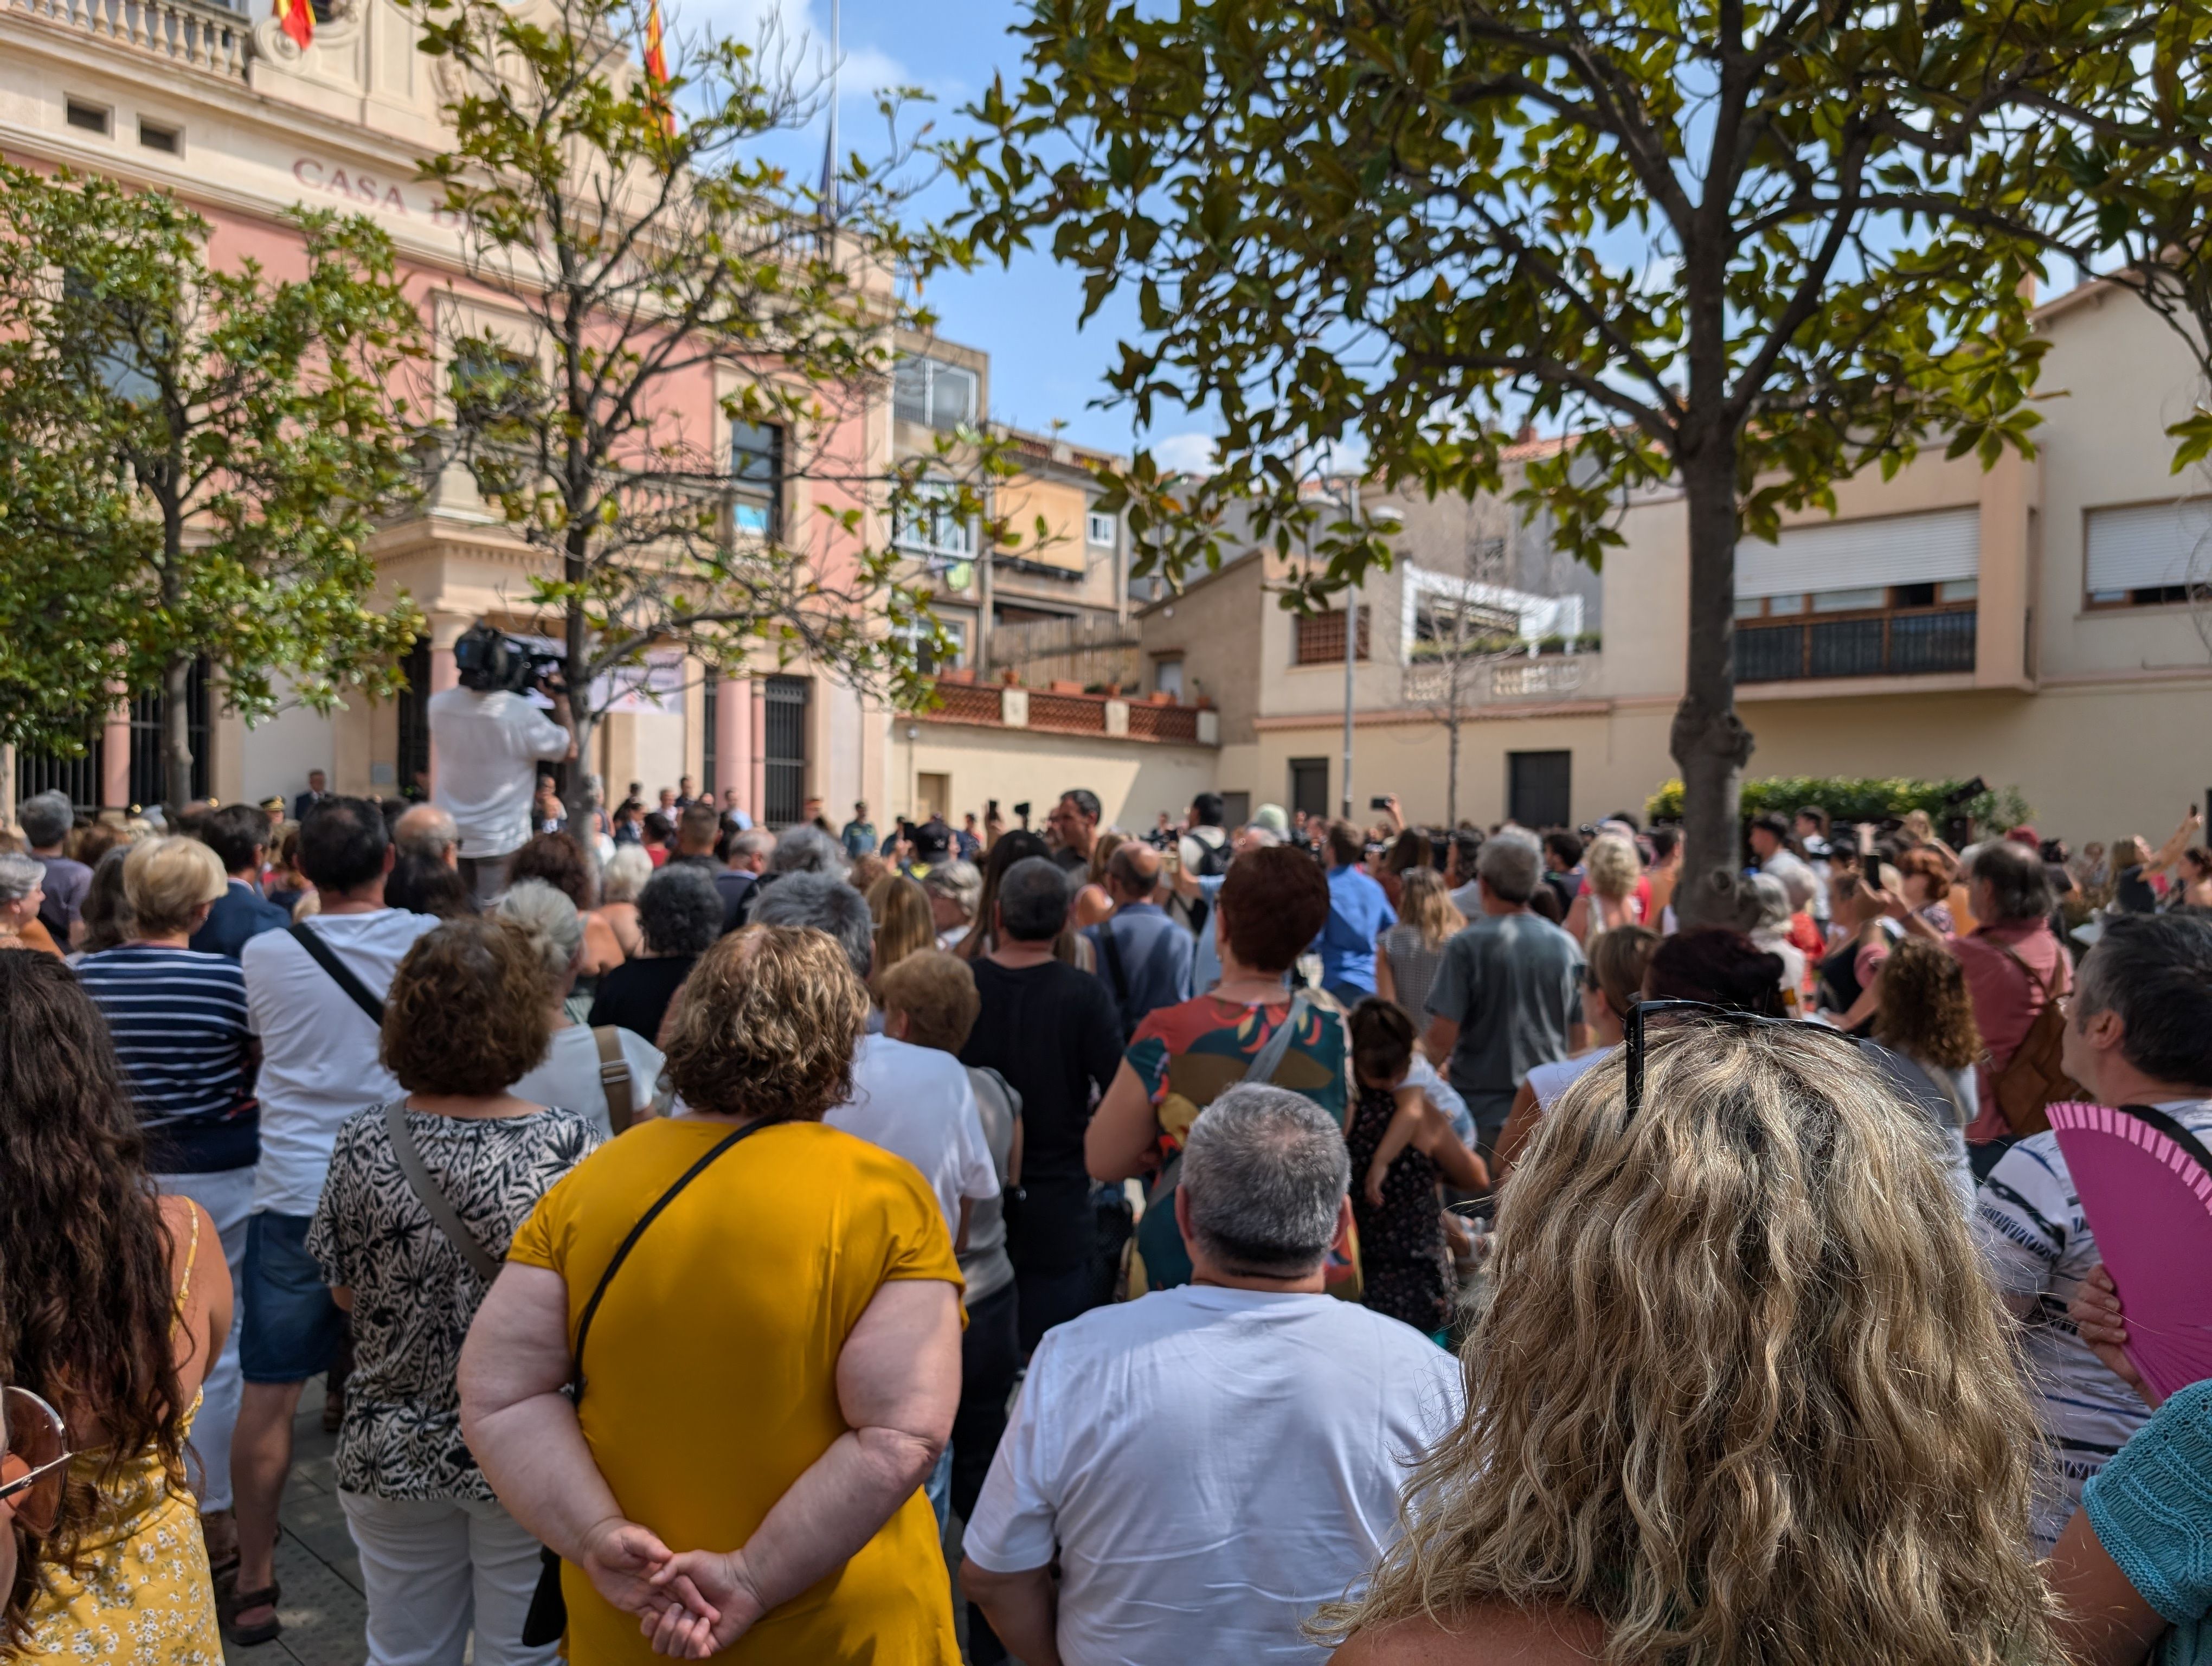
x,y
1508,995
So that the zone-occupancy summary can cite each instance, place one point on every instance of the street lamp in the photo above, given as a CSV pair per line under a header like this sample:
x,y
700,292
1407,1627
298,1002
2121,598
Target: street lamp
x,y
1349,504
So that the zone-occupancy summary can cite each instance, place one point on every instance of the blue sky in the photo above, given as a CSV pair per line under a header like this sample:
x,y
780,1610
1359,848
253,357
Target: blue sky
x,y
1043,368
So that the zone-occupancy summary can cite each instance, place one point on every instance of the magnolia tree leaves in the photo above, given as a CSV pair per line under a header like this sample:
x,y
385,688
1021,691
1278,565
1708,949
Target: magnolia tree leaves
x,y
193,458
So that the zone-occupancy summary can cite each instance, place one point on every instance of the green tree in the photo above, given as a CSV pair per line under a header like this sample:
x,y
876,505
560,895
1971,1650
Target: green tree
x,y
697,333
1741,250
195,460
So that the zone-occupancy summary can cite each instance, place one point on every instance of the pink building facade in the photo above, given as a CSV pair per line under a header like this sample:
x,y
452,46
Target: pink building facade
x,y
221,108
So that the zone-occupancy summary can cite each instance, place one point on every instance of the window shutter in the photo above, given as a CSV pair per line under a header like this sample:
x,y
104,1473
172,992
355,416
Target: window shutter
x,y
2148,547
1938,548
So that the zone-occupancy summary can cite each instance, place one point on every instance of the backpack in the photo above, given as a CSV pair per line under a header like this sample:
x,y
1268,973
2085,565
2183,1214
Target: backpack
x,y
1213,862
2033,1079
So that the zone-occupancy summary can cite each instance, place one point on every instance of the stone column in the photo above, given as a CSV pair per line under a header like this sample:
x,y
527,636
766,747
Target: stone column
x,y
115,753
734,735
756,749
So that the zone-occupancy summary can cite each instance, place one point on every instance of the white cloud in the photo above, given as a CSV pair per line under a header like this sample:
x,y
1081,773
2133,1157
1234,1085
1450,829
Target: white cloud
x,y
799,28
1184,453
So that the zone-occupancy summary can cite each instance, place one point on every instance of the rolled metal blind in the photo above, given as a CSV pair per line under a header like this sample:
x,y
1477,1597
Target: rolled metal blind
x,y
1936,547
2148,547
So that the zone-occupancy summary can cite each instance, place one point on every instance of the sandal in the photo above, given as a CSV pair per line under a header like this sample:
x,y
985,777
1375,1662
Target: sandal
x,y
247,1637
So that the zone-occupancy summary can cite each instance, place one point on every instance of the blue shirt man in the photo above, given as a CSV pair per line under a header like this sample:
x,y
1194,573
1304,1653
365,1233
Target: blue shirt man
x,y
238,835
1143,954
858,835
240,913
1359,913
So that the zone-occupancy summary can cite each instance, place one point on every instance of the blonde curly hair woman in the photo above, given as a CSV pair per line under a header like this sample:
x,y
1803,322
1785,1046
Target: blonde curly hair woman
x,y
1742,1397
1608,901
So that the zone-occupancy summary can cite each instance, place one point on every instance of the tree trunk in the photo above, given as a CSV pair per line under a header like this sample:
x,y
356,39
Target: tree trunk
x,y
1451,777
576,645
578,660
1709,741
176,737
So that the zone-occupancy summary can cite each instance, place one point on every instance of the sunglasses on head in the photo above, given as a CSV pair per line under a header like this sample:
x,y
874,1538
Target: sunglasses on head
x,y
34,1468
1651,1019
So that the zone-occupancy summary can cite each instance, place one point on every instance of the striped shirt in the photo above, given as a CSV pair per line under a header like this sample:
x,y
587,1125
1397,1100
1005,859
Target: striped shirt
x,y
179,1021
2037,1243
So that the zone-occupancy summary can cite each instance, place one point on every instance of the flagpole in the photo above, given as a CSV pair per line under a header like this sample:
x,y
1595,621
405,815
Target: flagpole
x,y
837,57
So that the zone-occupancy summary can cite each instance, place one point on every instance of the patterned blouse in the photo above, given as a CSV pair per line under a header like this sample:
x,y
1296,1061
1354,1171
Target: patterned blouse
x,y
414,1293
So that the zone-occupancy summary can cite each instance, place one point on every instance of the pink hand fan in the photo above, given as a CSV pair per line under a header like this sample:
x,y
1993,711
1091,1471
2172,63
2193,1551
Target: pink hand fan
x,y
2145,1182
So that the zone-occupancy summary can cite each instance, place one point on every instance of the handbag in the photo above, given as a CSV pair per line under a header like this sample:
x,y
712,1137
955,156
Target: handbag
x,y
548,1606
1160,1247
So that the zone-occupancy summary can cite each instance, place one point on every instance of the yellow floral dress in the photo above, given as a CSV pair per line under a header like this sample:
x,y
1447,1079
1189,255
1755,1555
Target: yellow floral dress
x,y
142,1594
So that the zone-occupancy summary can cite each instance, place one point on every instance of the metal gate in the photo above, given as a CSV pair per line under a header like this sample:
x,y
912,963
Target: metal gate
x,y
148,778
414,714
710,716
785,750
81,778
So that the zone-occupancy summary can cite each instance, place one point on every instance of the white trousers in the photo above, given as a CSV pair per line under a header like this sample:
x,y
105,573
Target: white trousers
x,y
433,1568
228,1196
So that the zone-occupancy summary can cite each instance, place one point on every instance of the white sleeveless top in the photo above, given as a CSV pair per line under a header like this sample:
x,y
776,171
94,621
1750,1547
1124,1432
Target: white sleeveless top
x,y
1551,1081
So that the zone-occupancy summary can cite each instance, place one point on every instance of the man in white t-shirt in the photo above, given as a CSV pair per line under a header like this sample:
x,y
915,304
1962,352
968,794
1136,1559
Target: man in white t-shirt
x,y
1212,1464
914,1100
2139,1032
319,1065
489,742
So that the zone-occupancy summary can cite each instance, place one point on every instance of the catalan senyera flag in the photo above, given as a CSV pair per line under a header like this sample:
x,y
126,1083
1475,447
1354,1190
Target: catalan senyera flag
x,y
297,18
656,62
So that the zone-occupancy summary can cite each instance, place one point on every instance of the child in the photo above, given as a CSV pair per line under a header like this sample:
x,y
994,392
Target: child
x,y
1383,1061
1403,1147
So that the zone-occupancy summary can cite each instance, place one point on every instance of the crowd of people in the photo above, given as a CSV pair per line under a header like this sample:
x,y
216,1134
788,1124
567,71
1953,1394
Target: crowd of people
x,y
1426,1244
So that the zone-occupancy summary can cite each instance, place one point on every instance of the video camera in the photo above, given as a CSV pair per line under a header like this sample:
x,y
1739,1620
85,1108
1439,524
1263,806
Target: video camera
x,y
488,658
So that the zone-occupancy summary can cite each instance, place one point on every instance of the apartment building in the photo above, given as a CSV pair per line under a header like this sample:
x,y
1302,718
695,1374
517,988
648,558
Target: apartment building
x,y
1043,690
1060,576
2044,624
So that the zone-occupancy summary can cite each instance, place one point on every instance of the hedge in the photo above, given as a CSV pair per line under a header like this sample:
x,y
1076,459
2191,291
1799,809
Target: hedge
x,y
1848,800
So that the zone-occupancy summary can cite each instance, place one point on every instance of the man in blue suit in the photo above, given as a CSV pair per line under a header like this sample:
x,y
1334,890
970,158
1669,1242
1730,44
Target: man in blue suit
x,y
238,835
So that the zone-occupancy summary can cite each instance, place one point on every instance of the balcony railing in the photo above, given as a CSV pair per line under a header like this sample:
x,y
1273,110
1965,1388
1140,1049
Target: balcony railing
x,y
1151,722
1905,642
1548,677
1070,714
192,32
1062,711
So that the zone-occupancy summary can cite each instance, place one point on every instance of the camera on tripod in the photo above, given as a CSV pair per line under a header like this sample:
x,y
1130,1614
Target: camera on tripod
x,y
488,658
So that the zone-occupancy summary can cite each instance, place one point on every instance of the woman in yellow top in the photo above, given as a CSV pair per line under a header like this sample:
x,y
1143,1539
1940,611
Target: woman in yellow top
x,y
769,1376
118,1302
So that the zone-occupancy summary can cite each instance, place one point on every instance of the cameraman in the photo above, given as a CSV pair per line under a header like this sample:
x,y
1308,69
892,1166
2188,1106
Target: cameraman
x,y
489,740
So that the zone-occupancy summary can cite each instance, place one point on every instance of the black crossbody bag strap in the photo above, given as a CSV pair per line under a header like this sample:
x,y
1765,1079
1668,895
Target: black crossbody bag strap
x,y
548,1618
340,974
432,1196
1112,950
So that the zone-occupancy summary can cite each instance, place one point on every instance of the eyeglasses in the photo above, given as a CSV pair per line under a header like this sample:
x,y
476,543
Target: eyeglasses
x,y
1668,1016
35,1465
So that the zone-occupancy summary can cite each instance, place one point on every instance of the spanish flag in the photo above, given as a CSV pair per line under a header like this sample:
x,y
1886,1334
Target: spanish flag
x,y
297,18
